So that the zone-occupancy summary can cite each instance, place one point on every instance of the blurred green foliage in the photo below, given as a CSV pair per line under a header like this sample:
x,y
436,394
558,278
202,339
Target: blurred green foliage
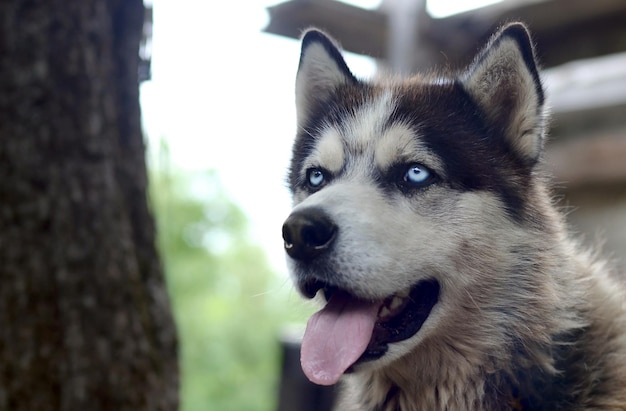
x,y
228,304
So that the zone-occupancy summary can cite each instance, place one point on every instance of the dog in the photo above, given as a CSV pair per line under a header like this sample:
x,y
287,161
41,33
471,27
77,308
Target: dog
x,y
423,222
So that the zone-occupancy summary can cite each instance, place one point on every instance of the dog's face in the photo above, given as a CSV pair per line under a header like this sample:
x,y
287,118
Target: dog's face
x,y
405,193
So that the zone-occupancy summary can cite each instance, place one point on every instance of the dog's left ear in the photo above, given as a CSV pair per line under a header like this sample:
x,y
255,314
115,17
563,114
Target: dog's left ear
x,y
505,82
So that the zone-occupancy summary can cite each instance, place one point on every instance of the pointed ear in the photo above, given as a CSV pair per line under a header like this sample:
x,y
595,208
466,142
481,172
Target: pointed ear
x,y
505,82
321,70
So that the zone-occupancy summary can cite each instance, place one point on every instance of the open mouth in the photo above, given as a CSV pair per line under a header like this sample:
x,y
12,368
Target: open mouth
x,y
349,330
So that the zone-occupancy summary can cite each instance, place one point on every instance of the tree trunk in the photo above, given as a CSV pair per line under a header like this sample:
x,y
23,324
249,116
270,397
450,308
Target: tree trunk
x,y
85,322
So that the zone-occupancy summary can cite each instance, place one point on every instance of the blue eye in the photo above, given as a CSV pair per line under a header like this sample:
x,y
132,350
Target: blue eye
x,y
315,177
416,174
413,176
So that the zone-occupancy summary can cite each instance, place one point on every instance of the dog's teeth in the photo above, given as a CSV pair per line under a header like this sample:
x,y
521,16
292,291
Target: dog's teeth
x,y
403,294
396,302
391,307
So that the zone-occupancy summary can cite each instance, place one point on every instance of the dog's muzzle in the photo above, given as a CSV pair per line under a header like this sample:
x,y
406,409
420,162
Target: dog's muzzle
x,y
308,233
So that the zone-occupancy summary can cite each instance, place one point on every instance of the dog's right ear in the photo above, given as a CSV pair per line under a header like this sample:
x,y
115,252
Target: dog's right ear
x,y
322,69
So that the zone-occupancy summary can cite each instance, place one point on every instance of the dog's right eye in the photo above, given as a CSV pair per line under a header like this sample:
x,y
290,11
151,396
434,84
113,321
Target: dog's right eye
x,y
316,177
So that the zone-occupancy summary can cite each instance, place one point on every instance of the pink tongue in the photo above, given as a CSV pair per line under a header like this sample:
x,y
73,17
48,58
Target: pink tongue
x,y
336,336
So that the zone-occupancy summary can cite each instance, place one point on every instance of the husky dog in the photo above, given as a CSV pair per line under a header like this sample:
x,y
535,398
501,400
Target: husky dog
x,y
423,222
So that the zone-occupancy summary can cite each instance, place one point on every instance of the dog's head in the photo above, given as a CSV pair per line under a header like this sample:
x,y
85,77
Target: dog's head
x,y
407,193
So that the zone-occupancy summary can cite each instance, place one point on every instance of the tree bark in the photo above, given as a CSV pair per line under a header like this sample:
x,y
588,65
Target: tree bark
x,y
85,322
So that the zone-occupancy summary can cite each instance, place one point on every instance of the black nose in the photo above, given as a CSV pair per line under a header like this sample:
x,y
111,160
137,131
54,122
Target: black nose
x,y
308,233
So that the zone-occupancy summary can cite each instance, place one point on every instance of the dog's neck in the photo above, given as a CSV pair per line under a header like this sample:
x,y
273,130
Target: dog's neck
x,y
452,379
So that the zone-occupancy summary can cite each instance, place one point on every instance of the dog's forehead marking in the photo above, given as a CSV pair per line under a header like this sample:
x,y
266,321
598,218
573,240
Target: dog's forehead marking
x,y
355,134
364,127
328,152
366,133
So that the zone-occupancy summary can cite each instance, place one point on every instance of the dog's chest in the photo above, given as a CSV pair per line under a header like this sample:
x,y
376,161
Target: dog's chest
x,y
370,394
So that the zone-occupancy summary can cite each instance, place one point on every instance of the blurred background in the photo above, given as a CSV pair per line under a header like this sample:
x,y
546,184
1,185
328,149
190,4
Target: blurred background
x,y
219,118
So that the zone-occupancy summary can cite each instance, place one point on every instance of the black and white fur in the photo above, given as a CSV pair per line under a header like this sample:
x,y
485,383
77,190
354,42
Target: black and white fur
x,y
524,318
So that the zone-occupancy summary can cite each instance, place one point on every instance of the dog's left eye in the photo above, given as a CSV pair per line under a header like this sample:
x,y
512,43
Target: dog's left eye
x,y
414,176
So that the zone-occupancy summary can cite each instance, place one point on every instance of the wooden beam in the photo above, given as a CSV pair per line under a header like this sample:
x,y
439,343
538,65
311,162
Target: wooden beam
x,y
564,30
359,30
596,159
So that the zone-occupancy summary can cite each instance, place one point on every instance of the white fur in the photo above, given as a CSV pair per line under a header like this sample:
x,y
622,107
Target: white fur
x,y
328,152
398,144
